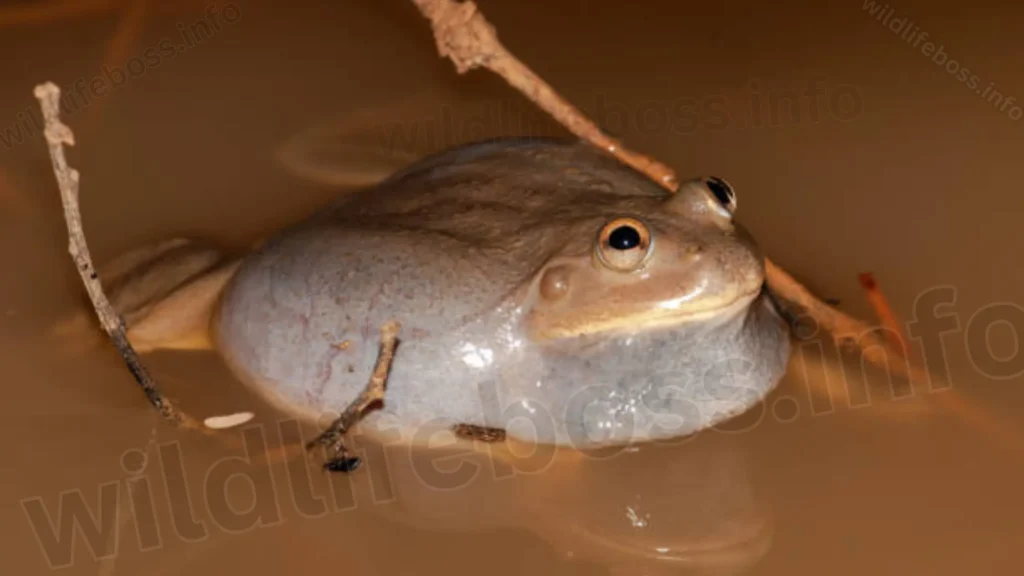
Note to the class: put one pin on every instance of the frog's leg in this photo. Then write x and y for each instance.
(166, 292)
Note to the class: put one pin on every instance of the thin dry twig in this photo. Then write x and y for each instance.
(463, 35)
(886, 317)
(372, 394)
(481, 433)
(57, 135)
(875, 345)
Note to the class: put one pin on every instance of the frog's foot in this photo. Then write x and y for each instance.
(165, 292)
(481, 433)
(372, 394)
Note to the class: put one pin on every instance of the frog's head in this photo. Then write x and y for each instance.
(639, 264)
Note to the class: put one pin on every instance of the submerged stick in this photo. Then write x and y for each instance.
(464, 36)
(57, 135)
(371, 394)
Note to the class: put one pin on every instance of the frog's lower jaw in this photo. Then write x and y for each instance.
(608, 392)
(650, 386)
(593, 392)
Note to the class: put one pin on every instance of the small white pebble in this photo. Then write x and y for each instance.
(228, 421)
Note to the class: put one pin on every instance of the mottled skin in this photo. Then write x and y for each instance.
(486, 256)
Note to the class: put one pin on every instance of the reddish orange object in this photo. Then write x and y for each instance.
(893, 327)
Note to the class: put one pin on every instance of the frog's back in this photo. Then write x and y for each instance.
(485, 193)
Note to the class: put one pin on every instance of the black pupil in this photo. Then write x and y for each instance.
(624, 238)
(720, 190)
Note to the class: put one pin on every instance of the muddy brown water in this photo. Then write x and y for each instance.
(853, 149)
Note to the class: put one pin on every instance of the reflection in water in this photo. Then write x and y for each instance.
(642, 509)
(362, 147)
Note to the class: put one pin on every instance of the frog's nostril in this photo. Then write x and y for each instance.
(723, 192)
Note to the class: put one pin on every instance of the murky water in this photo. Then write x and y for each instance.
(854, 147)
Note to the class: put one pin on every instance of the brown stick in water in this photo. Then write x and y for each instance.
(464, 36)
(57, 135)
(372, 394)
(893, 329)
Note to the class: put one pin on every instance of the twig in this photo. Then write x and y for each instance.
(886, 317)
(464, 36)
(481, 433)
(371, 394)
(847, 331)
(57, 135)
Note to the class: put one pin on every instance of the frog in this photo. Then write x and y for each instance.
(543, 289)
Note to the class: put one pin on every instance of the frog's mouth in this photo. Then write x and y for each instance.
(643, 318)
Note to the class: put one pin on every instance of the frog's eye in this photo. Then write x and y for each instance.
(624, 244)
(722, 191)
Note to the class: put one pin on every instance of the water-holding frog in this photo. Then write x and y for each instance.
(542, 287)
